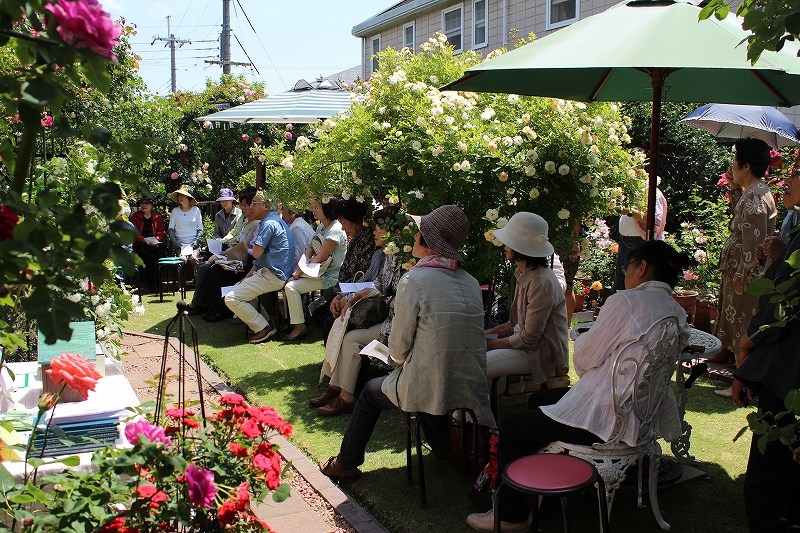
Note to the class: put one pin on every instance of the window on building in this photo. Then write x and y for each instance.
(376, 47)
(452, 24)
(562, 13)
(408, 36)
(479, 23)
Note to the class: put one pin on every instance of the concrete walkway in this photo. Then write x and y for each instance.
(294, 515)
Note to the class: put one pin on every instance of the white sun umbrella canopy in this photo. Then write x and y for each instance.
(305, 103)
(730, 121)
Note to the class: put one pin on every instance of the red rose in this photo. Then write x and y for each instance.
(146, 491)
(8, 221)
(231, 399)
(227, 513)
(243, 497)
(76, 371)
(238, 450)
(251, 429)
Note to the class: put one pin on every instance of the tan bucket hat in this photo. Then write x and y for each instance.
(186, 191)
(526, 233)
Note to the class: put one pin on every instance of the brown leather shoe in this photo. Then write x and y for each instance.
(332, 469)
(263, 335)
(336, 407)
(327, 395)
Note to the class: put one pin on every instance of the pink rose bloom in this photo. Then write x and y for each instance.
(258, 140)
(133, 430)
(723, 180)
(175, 175)
(245, 137)
(205, 166)
(775, 159)
(8, 221)
(201, 486)
(47, 121)
(77, 372)
(288, 135)
(289, 126)
(84, 24)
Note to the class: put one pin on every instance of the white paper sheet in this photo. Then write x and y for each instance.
(347, 288)
(214, 246)
(187, 250)
(378, 350)
(491, 336)
(311, 270)
(226, 290)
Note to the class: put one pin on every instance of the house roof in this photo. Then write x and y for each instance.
(397, 14)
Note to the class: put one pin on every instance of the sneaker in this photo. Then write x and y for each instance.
(263, 335)
(725, 393)
(332, 469)
(484, 523)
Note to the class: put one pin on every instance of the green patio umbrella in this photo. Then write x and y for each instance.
(636, 51)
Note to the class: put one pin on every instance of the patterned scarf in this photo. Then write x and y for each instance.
(437, 261)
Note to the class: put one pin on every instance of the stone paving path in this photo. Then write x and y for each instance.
(316, 504)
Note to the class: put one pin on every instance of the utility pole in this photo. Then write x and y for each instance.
(225, 42)
(172, 42)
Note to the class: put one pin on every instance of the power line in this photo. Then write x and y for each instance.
(262, 47)
(245, 53)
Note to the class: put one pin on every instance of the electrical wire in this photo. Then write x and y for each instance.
(262, 47)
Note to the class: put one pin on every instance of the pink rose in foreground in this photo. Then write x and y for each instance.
(175, 175)
(76, 371)
(133, 430)
(245, 137)
(201, 486)
(288, 135)
(84, 24)
(257, 140)
(8, 221)
(722, 181)
(775, 159)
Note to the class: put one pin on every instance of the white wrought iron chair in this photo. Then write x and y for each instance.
(642, 373)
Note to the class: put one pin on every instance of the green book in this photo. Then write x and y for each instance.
(82, 342)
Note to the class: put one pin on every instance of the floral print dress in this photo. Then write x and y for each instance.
(753, 221)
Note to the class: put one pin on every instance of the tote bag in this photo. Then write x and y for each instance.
(334, 343)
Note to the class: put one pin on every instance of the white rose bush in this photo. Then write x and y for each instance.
(491, 154)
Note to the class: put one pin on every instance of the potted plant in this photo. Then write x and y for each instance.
(580, 291)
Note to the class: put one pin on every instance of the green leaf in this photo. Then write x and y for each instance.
(785, 286)
(36, 492)
(793, 23)
(792, 400)
(97, 74)
(282, 493)
(722, 12)
(7, 481)
(72, 460)
(23, 498)
(760, 286)
(38, 92)
(794, 259)
(710, 8)
(740, 433)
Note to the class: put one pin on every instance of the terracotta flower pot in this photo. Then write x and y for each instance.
(579, 301)
(705, 319)
(687, 300)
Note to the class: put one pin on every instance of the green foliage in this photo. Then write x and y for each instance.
(771, 22)
(488, 153)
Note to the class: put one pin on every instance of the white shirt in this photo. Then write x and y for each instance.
(629, 227)
(302, 233)
(187, 225)
(626, 316)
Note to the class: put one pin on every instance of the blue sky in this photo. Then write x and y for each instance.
(301, 39)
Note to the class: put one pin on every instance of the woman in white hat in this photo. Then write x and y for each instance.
(186, 220)
(536, 339)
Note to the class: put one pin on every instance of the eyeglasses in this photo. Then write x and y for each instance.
(256, 203)
(625, 267)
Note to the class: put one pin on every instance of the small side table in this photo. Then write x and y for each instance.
(173, 268)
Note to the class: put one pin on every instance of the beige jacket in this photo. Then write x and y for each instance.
(438, 342)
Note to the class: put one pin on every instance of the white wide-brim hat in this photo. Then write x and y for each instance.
(526, 233)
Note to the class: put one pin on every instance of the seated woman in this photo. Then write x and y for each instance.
(536, 339)
(361, 250)
(584, 414)
(149, 244)
(334, 240)
(339, 396)
(185, 225)
(437, 342)
(211, 276)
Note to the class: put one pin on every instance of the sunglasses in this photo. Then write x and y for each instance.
(625, 267)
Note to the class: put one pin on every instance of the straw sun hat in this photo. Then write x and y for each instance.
(526, 233)
(186, 191)
(444, 230)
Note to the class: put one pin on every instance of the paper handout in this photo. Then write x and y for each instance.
(347, 288)
(309, 269)
(378, 350)
(215, 246)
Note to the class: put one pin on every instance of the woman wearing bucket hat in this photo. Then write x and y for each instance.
(536, 339)
(186, 220)
(437, 342)
(226, 217)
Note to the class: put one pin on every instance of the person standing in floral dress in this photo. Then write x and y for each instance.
(753, 221)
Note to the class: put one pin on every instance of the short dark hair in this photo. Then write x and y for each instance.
(146, 200)
(247, 194)
(755, 152)
(667, 262)
(352, 210)
(330, 208)
(385, 213)
(534, 262)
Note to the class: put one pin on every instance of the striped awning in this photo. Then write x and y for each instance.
(305, 104)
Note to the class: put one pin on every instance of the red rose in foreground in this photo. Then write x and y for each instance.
(76, 371)
(84, 24)
(8, 221)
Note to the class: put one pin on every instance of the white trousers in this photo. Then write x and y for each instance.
(238, 300)
(294, 289)
(345, 373)
(505, 362)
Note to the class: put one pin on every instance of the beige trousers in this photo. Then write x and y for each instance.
(238, 300)
(294, 289)
(345, 374)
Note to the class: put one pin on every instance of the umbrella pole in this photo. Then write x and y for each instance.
(657, 76)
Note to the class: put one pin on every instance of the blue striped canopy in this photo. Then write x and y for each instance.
(304, 104)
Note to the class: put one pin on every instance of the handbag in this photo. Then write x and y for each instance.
(316, 244)
(238, 252)
(369, 310)
(333, 344)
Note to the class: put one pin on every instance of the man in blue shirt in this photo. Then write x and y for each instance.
(273, 251)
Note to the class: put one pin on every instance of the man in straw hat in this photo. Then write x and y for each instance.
(273, 251)
(437, 342)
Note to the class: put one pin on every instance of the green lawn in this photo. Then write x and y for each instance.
(285, 376)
